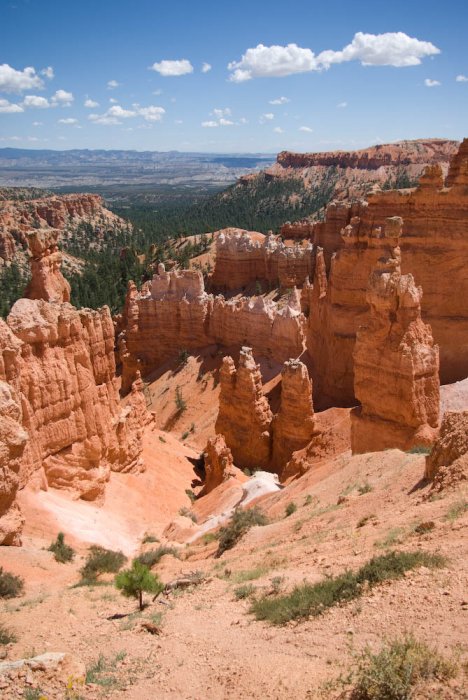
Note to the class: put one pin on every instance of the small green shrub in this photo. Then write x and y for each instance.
(33, 694)
(181, 405)
(250, 574)
(149, 539)
(100, 673)
(364, 488)
(419, 450)
(187, 513)
(6, 635)
(162, 439)
(183, 357)
(210, 537)
(62, 552)
(153, 556)
(308, 500)
(191, 495)
(240, 523)
(100, 561)
(245, 591)
(11, 586)
(290, 509)
(424, 527)
(394, 672)
(185, 435)
(135, 581)
(456, 510)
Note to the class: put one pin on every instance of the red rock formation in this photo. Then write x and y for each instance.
(293, 426)
(219, 465)
(47, 281)
(177, 313)
(244, 414)
(447, 464)
(64, 213)
(12, 442)
(435, 224)
(246, 257)
(396, 365)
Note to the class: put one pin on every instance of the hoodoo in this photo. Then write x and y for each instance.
(396, 364)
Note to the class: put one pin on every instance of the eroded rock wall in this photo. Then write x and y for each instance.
(245, 257)
(434, 247)
(175, 312)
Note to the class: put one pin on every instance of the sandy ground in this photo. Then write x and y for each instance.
(210, 646)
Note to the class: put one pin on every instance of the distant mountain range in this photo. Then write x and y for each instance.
(78, 168)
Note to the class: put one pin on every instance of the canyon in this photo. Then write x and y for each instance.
(315, 374)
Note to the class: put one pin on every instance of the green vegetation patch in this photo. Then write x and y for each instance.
(313, 599)
(100, 561)
(240, 523)
(62, 552)
(11, 586)
(395, 672)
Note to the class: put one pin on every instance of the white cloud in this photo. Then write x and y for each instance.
(7, 107)
(243, 120)
(113, 101)
(342, 105)
(307, 129)
(116, 112)
(268, 116)
(12, 80)
(178, 121)
(278, 130)
(206, 67)
(280, 101)
(14, 138)
(91, 103)
(172, 68)
(210, 124)
(70, 120)
(389, 49)
(226, 112)
(225, 122)
(272, 61)
(33, 138)
(48, 72)
(431, 83)
(62, 98)
(152, 114)
(157, 92)
(36, 101)
(461, 79)
(37, 123)
(112, 84)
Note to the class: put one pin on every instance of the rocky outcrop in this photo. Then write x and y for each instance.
(434, 230)
(77, 429)
(219, 465)
(447, 464)
(47, 281)
(62, 213)
(396, 364)
(244, 413)
(246, 257)
(293, 427)
(175, 312)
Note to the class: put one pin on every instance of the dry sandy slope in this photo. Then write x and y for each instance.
(210, 646)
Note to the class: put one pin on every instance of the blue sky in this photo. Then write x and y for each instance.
(231, 77)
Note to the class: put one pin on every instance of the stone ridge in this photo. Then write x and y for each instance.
(401, 153)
